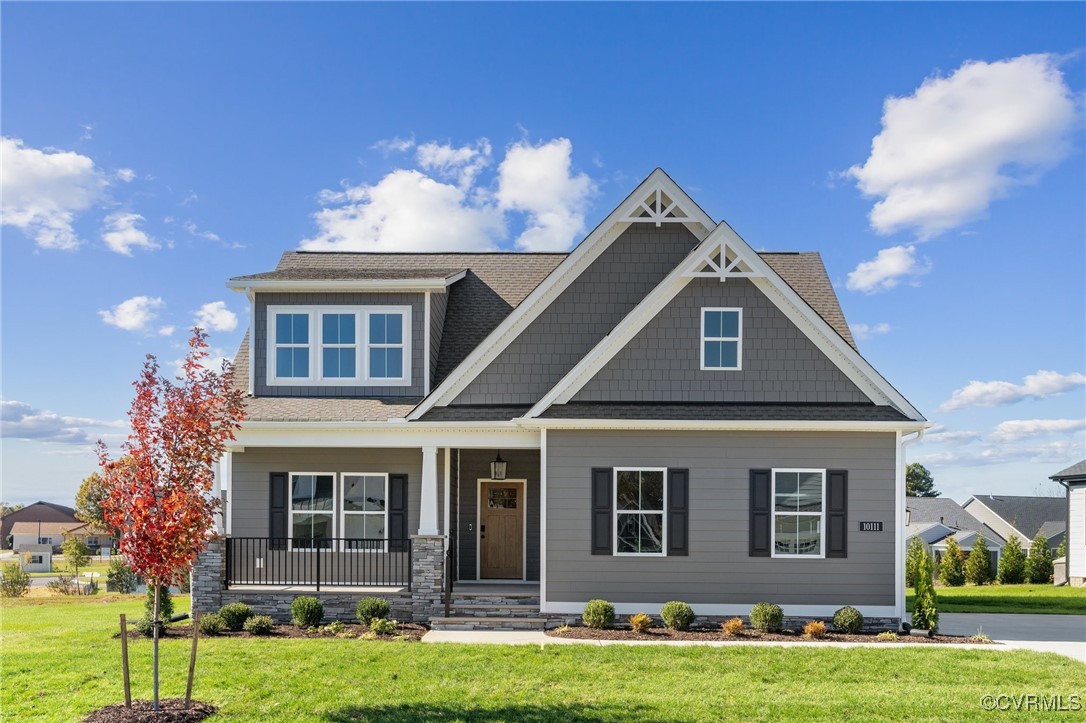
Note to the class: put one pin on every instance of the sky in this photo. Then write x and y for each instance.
(933, 154)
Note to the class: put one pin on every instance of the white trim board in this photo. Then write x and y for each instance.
(419, 285)
(559, 280)
(797, 611)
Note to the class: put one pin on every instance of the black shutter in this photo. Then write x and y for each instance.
(837, 513)
(678, 511)
(601, 511)
(397, 512)
(760, 513)
(278, 508)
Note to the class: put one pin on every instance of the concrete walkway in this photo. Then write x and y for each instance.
(1063, 634)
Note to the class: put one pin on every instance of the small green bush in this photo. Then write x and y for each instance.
(335, 627)
(1039, 561)
(165, 604)
(306, 611)
(887, 635)
(212, 624)
(234, 615)
(120, 578)
(383, 626)
(259, 625)
(1012, 563)
(14, 582)
(598, 614)
(146, 628)
(912, 559)
(766, 617)
(952, 566)
(978, 566)
(848, 620)
(677, 615)
(925, 608)
(370, 608)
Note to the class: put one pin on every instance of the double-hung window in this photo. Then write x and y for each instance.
(292, 346)
(721, 339)
(385, 345)
(338, 346)
(365, 514)
(799, 512)
(312, 510)
(640, 501)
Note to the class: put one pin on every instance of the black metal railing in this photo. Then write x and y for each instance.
(320, 562)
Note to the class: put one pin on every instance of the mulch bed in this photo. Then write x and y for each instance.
(171, 710)
(711, 634)
(405, 632)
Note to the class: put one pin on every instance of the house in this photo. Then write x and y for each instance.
(37, 512)
(35, 558)
(1074, 564)
(1021, 516)
(54, 533)
(937, 520)
(493, 439)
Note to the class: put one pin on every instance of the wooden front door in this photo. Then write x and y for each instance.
(501, 530)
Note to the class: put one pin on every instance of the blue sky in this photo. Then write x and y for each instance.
(151, 151)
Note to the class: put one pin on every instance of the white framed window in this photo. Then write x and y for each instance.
(799, 513)
(364, 511)
(339, 345)
(721, 339)
(640, 501)
(37, 559)
(312, 510)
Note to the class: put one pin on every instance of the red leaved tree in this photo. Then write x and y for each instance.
(160, 492)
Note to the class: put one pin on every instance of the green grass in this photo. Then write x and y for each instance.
(60, 662)
(1047, 599)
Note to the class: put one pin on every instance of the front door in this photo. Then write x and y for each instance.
(501, 530)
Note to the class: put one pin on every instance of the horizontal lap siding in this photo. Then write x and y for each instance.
(718, 568)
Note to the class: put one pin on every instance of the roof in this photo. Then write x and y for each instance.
(806, 274)
(53, 528)
(327, 409)
(943, 510)
(725, 412)
(1052, 528)
(1077, 470)
(310, 273)
(59, 508)
(1025, 514)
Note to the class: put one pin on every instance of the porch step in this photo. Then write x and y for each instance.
(487, 623)
(498, 610)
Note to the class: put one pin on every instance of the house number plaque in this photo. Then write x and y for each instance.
(870, 527)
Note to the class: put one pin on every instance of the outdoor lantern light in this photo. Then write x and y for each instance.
(497, 467)
(908, 516)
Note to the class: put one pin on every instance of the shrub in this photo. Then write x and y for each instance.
(1039, 563)
(146, 628)
(370, 608)
(848, 620)
(234, 615)
(213, 624)
(335, 628)
(1012, 563)
(598, 614)
(677, 615)
(952, 566)
(64, 585)
(383, 626)
(887, 635)
(640, 622)
(165, 604)
(13, 581)
(259, 625)
(306, 611)
(76, 554)
(815, 630)
(733, 627)
(912, 559)
(766, 617)
(978, 567)
(120, 578)
(561, 629)
(925, 610)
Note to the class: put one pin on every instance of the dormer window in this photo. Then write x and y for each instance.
(721, 339)
(339, 346)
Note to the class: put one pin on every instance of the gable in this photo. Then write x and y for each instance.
(662, 363)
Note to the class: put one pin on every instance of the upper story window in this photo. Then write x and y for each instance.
(798, 512)
(640, 523)
(339, 345)
(721, 339)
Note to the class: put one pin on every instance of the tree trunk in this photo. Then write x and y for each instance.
(154, 672)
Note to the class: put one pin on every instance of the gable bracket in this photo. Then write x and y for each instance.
(719, 260)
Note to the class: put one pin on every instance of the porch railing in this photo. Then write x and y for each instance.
(319, 563)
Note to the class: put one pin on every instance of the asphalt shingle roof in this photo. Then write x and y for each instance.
(1076, 470)
(806, 274)
(1026, 514)
(924, 511)
(725, 412)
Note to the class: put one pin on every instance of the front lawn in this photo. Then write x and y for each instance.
(1047, 599)
(60, 662)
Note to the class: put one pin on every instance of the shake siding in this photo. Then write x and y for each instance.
(249, 494)
(718, 568)
(582, 315)
(264, 300)
(662, 363)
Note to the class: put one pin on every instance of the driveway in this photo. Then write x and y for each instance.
(1063, 634)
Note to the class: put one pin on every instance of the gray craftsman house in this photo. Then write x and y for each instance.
(497, 438)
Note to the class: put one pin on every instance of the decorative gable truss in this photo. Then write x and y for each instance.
(719, 260)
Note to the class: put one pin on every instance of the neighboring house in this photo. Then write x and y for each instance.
(37, 512)
(1074, 480)
(35, 558)
(662, 413)
(937, 520)
(54, 534)
(1021, 516)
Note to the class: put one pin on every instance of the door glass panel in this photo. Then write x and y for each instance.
(501, 498)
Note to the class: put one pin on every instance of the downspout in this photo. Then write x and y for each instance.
(900, 497)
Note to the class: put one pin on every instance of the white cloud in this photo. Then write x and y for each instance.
(394, 145)
(959, 142)
(1014, 430)
(120, 233)
(88, 131)
(214, 316)
(866, 331)
(195, 231)
(167, 330)
(886, 270)
(1049, 453)
(126, 174)
(463, 163)
(991, 394)
(538, 180)
(133, 314)
(940, 434)
(43, 191)
(19, 420)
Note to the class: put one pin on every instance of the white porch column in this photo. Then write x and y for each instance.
(428, 496)
(225, 490)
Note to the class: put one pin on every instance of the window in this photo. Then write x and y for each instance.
(312, 510)
(37, 559)
(292, 346)
(721, 339)
(338, 351)
(365, 519)
(798, 511)
(385, 345)
(45, 540)
(640, 524)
